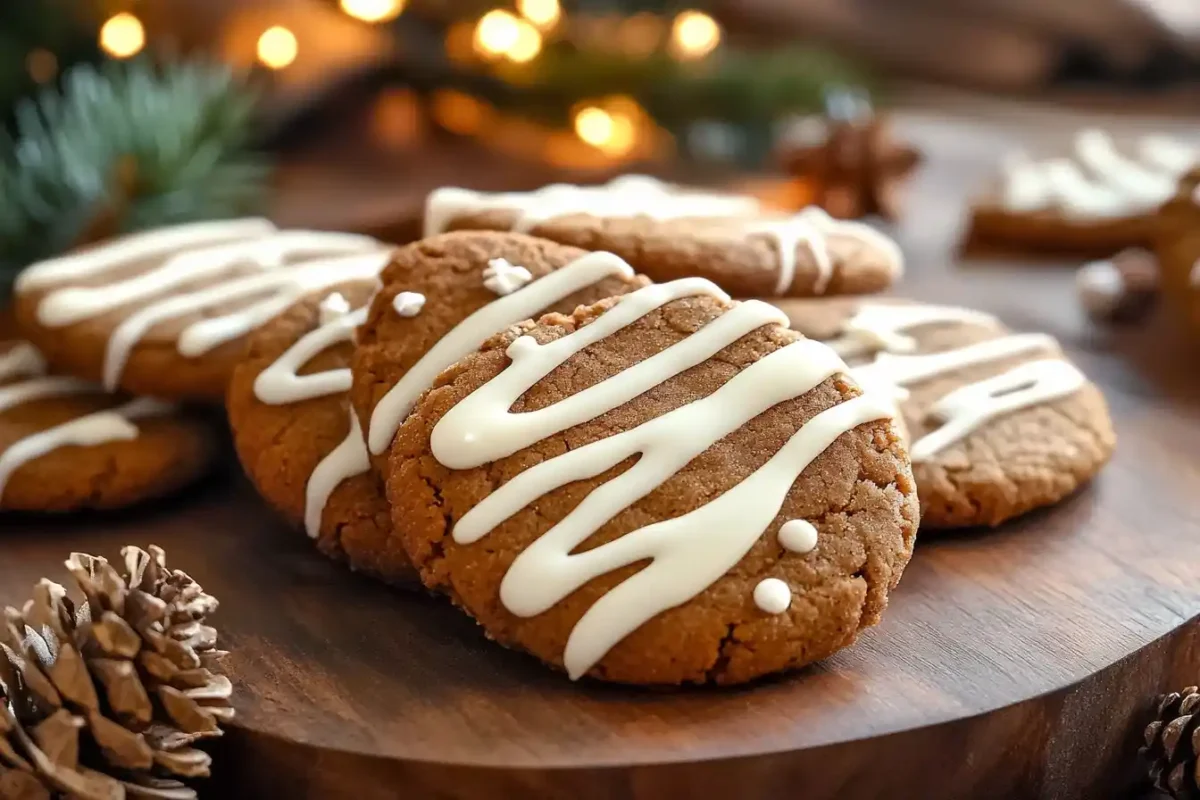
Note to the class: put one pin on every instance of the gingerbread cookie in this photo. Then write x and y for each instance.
(667, 233)
(998, 424)
(662, 488)
(166, 313)
(298, 440)
(1098, 201)
(444, 296)
(66, 445)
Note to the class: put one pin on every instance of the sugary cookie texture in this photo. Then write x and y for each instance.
(442, 297)
(668, 233)
(997, 423)
(1099, 200)
(66, 445)
(165, 313)
(298, 440)
(662, 488)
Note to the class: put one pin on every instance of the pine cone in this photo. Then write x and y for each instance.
(131, 668)
(1173, 743)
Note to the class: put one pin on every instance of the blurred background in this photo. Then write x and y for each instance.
(345, 112)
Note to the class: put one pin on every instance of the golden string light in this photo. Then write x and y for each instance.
(42, 65)
(611, 125)
(122, 36)
(277, 47)
(500, 34)
(694, 35)
(373, 10)
(543, 13)
(496, 33)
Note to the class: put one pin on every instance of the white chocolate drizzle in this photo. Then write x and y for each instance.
(772, 595)
(878, 327)
(281, 384)
(196, 269)
(469, 334)
(1101, 182)
(267, 295)
(687, 553)
(24, 361)
(636, 195)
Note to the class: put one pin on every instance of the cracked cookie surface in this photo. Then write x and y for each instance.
(781, 603)
(973, 467)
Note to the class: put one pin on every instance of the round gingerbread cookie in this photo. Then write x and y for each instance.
(165, 313)
(668, 233)
(662, 488)
(1101, 199)
(444, 296)
(66, 445)
(298, 440)
(998, 424)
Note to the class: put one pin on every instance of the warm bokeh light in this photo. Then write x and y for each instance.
(613, 131)
(527, 45)
(543, 13)
(497, 33)
(42, 65)
(122, 36)
(641, 34)
(460, 42)
(277, 47)
(458, 112)
(373, 10)
(396, 118)
(694, 34)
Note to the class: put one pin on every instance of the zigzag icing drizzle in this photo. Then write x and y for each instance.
(878, 328)
(280, 384)
(688, 553)
(23, 361)
(638, 195)
(1101, 181)
(248, 264)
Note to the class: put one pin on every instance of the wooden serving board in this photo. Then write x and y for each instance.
(1019, 662)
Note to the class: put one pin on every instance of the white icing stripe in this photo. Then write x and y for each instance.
(627, 196)
(634, 195)
(967, 408)
(279, 289)
(880, 326)
(688, 553)
(348, 459)
(1113, 184)
(475, 330)
(21, 360)
(486, 429)
(904, 370)
(38, 388)
(280, 383)
(94, 429)
(125, 250)
(268, 252)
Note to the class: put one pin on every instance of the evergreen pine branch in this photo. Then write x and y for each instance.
(148, 146)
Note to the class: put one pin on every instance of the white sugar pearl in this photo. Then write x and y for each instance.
(772, 596)
(798, 535)
(408, 304)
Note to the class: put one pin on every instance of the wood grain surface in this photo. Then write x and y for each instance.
(1019, 662)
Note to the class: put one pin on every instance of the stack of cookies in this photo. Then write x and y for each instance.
(551, 411)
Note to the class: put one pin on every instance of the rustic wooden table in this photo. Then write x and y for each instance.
(1019, 662)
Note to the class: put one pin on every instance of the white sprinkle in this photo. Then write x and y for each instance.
(798, 535)
(332, 308)
(408, 304)
(503, 278)
(772, 596)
